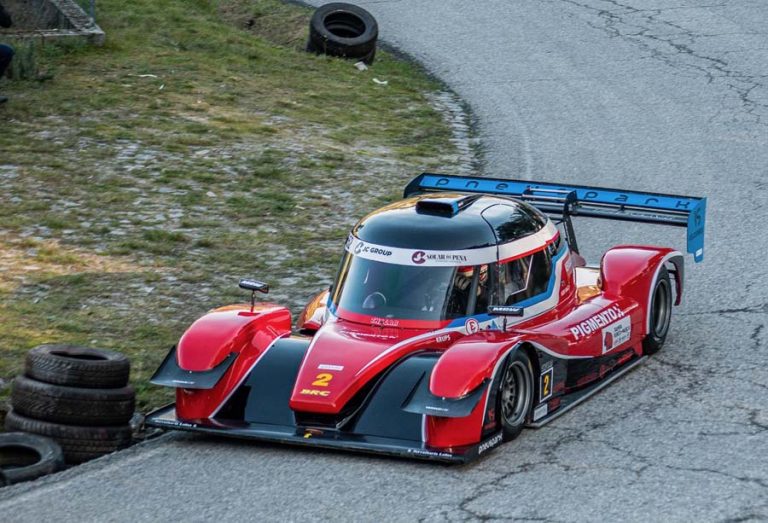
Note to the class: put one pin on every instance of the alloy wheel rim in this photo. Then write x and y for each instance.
(515, 394)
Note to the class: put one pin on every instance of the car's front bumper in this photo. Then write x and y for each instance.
(166, 418)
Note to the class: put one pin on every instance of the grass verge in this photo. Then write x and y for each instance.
(198, 146)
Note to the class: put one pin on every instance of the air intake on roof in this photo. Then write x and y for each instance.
(446, 206)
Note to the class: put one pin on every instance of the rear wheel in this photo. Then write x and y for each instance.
(659, 313)
(515, 394)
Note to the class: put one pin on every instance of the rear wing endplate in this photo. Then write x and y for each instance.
(581, 200)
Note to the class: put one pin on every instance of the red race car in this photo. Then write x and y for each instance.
(459, 316)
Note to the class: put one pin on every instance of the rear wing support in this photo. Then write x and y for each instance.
(566, 200)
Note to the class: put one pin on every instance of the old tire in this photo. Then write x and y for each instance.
(515, 394)
(659, 313)
(72, 405)
(79, 444)
(77, 366)
(343, 30)
(26, 456)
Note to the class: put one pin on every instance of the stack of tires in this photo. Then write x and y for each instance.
(77, 396)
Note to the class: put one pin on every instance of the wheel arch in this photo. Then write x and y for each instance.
(533, 357)
(217, 352)
(633, 270)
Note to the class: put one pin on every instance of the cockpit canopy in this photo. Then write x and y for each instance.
(436, 281)
(419, 223)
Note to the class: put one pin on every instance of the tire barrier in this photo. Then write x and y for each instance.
(77, 396)
(343, 30)
(27, 456)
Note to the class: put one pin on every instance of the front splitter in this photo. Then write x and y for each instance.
(165, 418)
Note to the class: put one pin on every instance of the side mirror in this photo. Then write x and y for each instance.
(254, 286)
(505, 310)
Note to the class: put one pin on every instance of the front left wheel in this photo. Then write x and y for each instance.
(515, 394)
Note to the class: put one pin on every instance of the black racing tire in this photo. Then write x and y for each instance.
(72, 405)
(79, 444)
(343, 30)
(26, 456)
(515, 394)
(77, 366)
(660, 313)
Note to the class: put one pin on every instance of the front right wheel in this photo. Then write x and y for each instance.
(515, 394)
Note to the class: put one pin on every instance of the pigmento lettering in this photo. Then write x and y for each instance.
(597, 322)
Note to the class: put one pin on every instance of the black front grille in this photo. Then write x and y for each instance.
(313, 419)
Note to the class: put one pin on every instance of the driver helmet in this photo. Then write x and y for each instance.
(465, 274)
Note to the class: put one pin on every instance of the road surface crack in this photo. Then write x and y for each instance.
(676, 46)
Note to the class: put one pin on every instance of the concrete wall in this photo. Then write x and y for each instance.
(51, 19)
(36, 14)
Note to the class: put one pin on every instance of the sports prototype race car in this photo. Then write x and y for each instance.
(459, 316)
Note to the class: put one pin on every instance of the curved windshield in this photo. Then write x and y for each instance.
(387, 290)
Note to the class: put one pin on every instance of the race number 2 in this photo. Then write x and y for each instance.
(322, 380)
(546, 383)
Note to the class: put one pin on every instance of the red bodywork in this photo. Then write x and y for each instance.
(348, 351)
(213, 337)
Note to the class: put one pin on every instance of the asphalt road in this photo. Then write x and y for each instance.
(664, 95)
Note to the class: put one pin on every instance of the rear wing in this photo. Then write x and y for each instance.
(567, 200)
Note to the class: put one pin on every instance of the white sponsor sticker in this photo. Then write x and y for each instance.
(617, 334)
(418, 257)
(472, 326)
(540, 411)
(325, 366)
(431, 453)
(175, 423)
(489, 444)
(425, 258)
